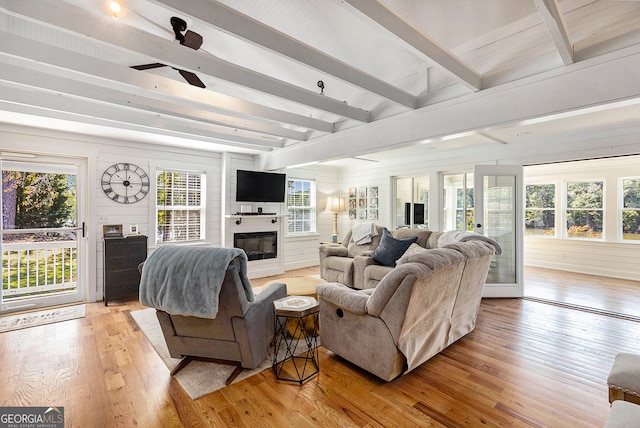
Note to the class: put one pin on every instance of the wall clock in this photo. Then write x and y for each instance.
(125, 183)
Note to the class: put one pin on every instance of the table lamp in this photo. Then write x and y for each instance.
(336, 205)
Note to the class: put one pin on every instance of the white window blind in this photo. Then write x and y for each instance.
(180, 206)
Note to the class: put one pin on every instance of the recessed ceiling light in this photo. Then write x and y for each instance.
(114, 6)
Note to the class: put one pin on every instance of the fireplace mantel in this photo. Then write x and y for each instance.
(238, 223)
(241, 217)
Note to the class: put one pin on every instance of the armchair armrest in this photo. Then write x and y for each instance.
(254, 330)
(346, 298)
(328, 250)
(359, 265)
(334, 250)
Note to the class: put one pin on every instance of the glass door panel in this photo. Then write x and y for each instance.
(420, 211)
(412, 202)
(403, 199)
(498, 215)
(457, 201)
(41, 234)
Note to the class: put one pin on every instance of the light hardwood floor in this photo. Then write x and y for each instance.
(597, 292)
(527, 364)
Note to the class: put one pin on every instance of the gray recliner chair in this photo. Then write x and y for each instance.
(240, 334)
(336, 260)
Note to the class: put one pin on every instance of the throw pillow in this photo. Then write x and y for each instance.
(413, 248)
(390, 249)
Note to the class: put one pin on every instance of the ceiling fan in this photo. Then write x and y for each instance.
(189, 39)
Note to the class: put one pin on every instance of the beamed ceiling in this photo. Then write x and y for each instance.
(68, 65)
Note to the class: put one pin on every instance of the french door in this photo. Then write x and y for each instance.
(498, 214)
(43, 231)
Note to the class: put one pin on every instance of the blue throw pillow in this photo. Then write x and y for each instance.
(391, 249)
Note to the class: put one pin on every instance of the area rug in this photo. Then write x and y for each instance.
(198, 378)
(47, 316)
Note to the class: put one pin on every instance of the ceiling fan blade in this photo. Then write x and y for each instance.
(191, 78)
(192, 40)
(148, 66)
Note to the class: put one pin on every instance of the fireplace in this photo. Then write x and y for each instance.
(257, 245)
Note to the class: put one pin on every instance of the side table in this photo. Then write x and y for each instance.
(295, 357)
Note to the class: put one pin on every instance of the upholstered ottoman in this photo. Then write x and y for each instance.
(623, 415)
(624, 378)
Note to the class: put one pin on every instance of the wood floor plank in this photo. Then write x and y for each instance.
(527, 363)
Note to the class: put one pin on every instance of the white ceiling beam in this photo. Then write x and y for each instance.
(418, 41)
(64, 121)
(118, 115)
(555, 24)
(601, 83)
(115, 33)
(168, 89)
(255, 32)
(45, 81)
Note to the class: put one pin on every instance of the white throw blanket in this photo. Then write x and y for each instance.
(362, 233)
(183, 280)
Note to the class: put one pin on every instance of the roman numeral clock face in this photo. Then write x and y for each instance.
(125, 183)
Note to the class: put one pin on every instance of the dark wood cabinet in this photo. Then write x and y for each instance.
(121, 259)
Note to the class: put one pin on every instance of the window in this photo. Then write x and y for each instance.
(301, 206)
(180, 206)
(412, 202)
(584, 209)
(540, 212)
(457, 202)
(630, 211)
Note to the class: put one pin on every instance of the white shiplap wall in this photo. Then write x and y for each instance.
(299, 251)
(302, 251)
(143, 212)
(101, 153)
(609, 256)
(606, 258)
(603, 258)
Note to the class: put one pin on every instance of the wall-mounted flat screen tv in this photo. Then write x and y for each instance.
(256, 186)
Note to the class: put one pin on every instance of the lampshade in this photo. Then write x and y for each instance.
(335, 204)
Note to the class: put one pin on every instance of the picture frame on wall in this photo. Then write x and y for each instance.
(363, 203)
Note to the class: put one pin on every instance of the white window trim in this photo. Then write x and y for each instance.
(313, 208)
(620, 208)
(565, 209)
(556, 214)
(153, 207)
